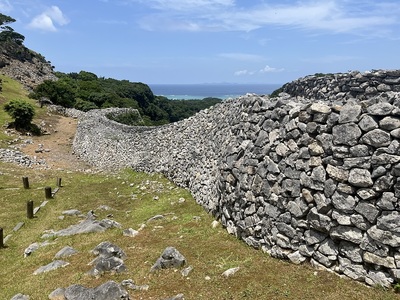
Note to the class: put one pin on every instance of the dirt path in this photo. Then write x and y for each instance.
(56, 146)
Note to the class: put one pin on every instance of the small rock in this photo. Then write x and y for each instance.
(177, 297)
(20, 297)
(230, 272)
(31, 248)
(185, 272)
(71, 212)
(214, 224)
(131, 285)
(130, 232)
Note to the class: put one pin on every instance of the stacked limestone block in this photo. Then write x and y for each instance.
(320, 183)
(346, 85)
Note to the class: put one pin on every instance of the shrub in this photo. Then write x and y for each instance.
(22, 112)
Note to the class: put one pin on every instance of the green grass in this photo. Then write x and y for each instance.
(185, 225)
(11, 90)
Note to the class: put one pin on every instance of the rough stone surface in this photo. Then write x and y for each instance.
(51, 266)
(65, 252)
(110, 258)
(107, 291)
(170, 258)
(89, 225)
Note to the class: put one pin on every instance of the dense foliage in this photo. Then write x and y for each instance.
(7, 34)
(85, 91)
(22, 112)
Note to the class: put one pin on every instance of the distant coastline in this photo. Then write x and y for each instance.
(200, 91)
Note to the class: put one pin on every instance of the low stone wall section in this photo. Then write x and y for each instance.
(346, 85)
(301, 179)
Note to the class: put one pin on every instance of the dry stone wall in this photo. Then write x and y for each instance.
(346, 85)
(303, 179)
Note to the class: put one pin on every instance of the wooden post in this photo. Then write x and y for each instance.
(25, 181)
(29, 209)
(47, 192)
(59, 182)
(1, 238)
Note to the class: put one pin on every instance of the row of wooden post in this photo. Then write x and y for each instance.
(29, 205)
(25, 182)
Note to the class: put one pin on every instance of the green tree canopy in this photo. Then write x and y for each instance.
(7, 33)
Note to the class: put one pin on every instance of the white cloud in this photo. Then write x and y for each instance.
(5, 6)
(243, 72)
(242, 56)
(336, 16)
(48, 20)
(188, 5)
(268, 69)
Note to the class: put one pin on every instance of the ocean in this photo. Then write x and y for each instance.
(200, 91)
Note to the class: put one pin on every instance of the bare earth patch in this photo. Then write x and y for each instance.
(55, 147)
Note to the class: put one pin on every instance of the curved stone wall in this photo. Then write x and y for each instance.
(301, 179)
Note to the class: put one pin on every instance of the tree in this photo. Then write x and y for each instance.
(22, 112)
(7, 33)
(59, 92)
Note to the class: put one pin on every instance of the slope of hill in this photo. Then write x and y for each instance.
(24, 65)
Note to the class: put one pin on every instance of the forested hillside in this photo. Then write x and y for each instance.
(85, 90)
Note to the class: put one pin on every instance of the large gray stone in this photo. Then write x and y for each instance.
(376, 138)
(380, 109)
(109, 259)
(89, 225)
(360, 178)
(346, 233)
(296, 257)
(389, 221)
(328, 248)
(389, 123)
(51, 266)
(368, 210)
(107, 291)
(337, 173)
(385, 237)
(352, 270)
(319, 221)
(387, 262)
(350, 112)
(170, 258)
(346, 134)
(378, 278)
(343, 202)
(351, 251)
(368, 123)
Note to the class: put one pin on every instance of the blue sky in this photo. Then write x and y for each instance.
(210, 41)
